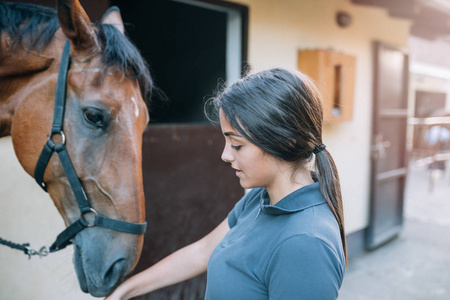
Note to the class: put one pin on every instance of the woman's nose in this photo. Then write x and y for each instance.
(226, 155)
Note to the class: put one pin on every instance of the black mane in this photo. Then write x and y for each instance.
(33, 27)
(22, 21)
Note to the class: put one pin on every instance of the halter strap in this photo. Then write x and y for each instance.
(65, 237)
(60, 92)
(58, 116)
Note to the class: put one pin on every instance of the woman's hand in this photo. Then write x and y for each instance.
(181, 265)
(116, 295)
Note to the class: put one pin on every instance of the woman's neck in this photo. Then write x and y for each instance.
(287, 183)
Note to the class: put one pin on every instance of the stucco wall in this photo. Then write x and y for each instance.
(27, 215)
(277, 29)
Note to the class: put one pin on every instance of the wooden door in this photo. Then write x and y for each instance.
(388, 153)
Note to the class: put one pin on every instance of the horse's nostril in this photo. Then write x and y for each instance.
(115, 271)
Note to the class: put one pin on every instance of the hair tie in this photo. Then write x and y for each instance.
(319, 148)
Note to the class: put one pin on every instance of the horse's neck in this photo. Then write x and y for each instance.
(17, 69)
(20, 63)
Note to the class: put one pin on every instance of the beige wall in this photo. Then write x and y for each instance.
(279, 28)
(27, 215)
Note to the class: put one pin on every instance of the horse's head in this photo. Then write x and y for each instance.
(105, 117)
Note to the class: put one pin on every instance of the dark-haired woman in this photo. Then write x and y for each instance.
(285, 238)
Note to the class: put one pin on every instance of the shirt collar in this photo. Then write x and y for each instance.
(298, 200)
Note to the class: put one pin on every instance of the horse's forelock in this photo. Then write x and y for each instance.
(121, 55)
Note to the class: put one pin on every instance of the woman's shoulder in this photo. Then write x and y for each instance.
(316, 223)
(312, 234)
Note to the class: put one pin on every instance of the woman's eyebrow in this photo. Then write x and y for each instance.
(233, 134)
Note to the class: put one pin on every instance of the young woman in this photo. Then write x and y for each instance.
(285, 238)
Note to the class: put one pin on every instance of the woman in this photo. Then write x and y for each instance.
(285, 238)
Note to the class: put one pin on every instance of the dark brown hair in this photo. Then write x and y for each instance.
(280, 111)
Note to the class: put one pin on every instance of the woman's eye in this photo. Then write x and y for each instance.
(94, 117)
(235, 147)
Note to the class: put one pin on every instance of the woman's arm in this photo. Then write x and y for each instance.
(179, 266)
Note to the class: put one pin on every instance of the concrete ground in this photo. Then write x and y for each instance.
(416, 265)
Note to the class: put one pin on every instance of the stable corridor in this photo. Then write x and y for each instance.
(415, 265)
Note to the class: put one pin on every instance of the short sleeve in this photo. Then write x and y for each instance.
(304, 267)
(234, 214)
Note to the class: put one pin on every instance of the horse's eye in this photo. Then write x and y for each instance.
(94, 117)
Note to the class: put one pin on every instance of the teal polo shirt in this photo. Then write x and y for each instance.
(290, 250)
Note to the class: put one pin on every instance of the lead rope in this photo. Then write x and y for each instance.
(44, 251)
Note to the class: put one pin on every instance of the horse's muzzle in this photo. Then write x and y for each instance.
(100, 266)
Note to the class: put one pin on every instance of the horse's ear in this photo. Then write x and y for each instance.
(112, 16)
(76, 25)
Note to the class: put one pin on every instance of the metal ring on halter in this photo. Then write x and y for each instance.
(61, 133)
(95, 213)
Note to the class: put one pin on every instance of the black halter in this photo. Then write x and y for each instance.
(65, 237)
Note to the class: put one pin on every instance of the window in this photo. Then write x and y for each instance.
(190, 47)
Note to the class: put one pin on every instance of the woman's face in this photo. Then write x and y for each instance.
(253, 166)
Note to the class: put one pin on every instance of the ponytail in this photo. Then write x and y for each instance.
(331, 190)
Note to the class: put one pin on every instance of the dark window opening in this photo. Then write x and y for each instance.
(185, 47)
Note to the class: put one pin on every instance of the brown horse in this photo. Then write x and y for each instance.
(105, 117)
